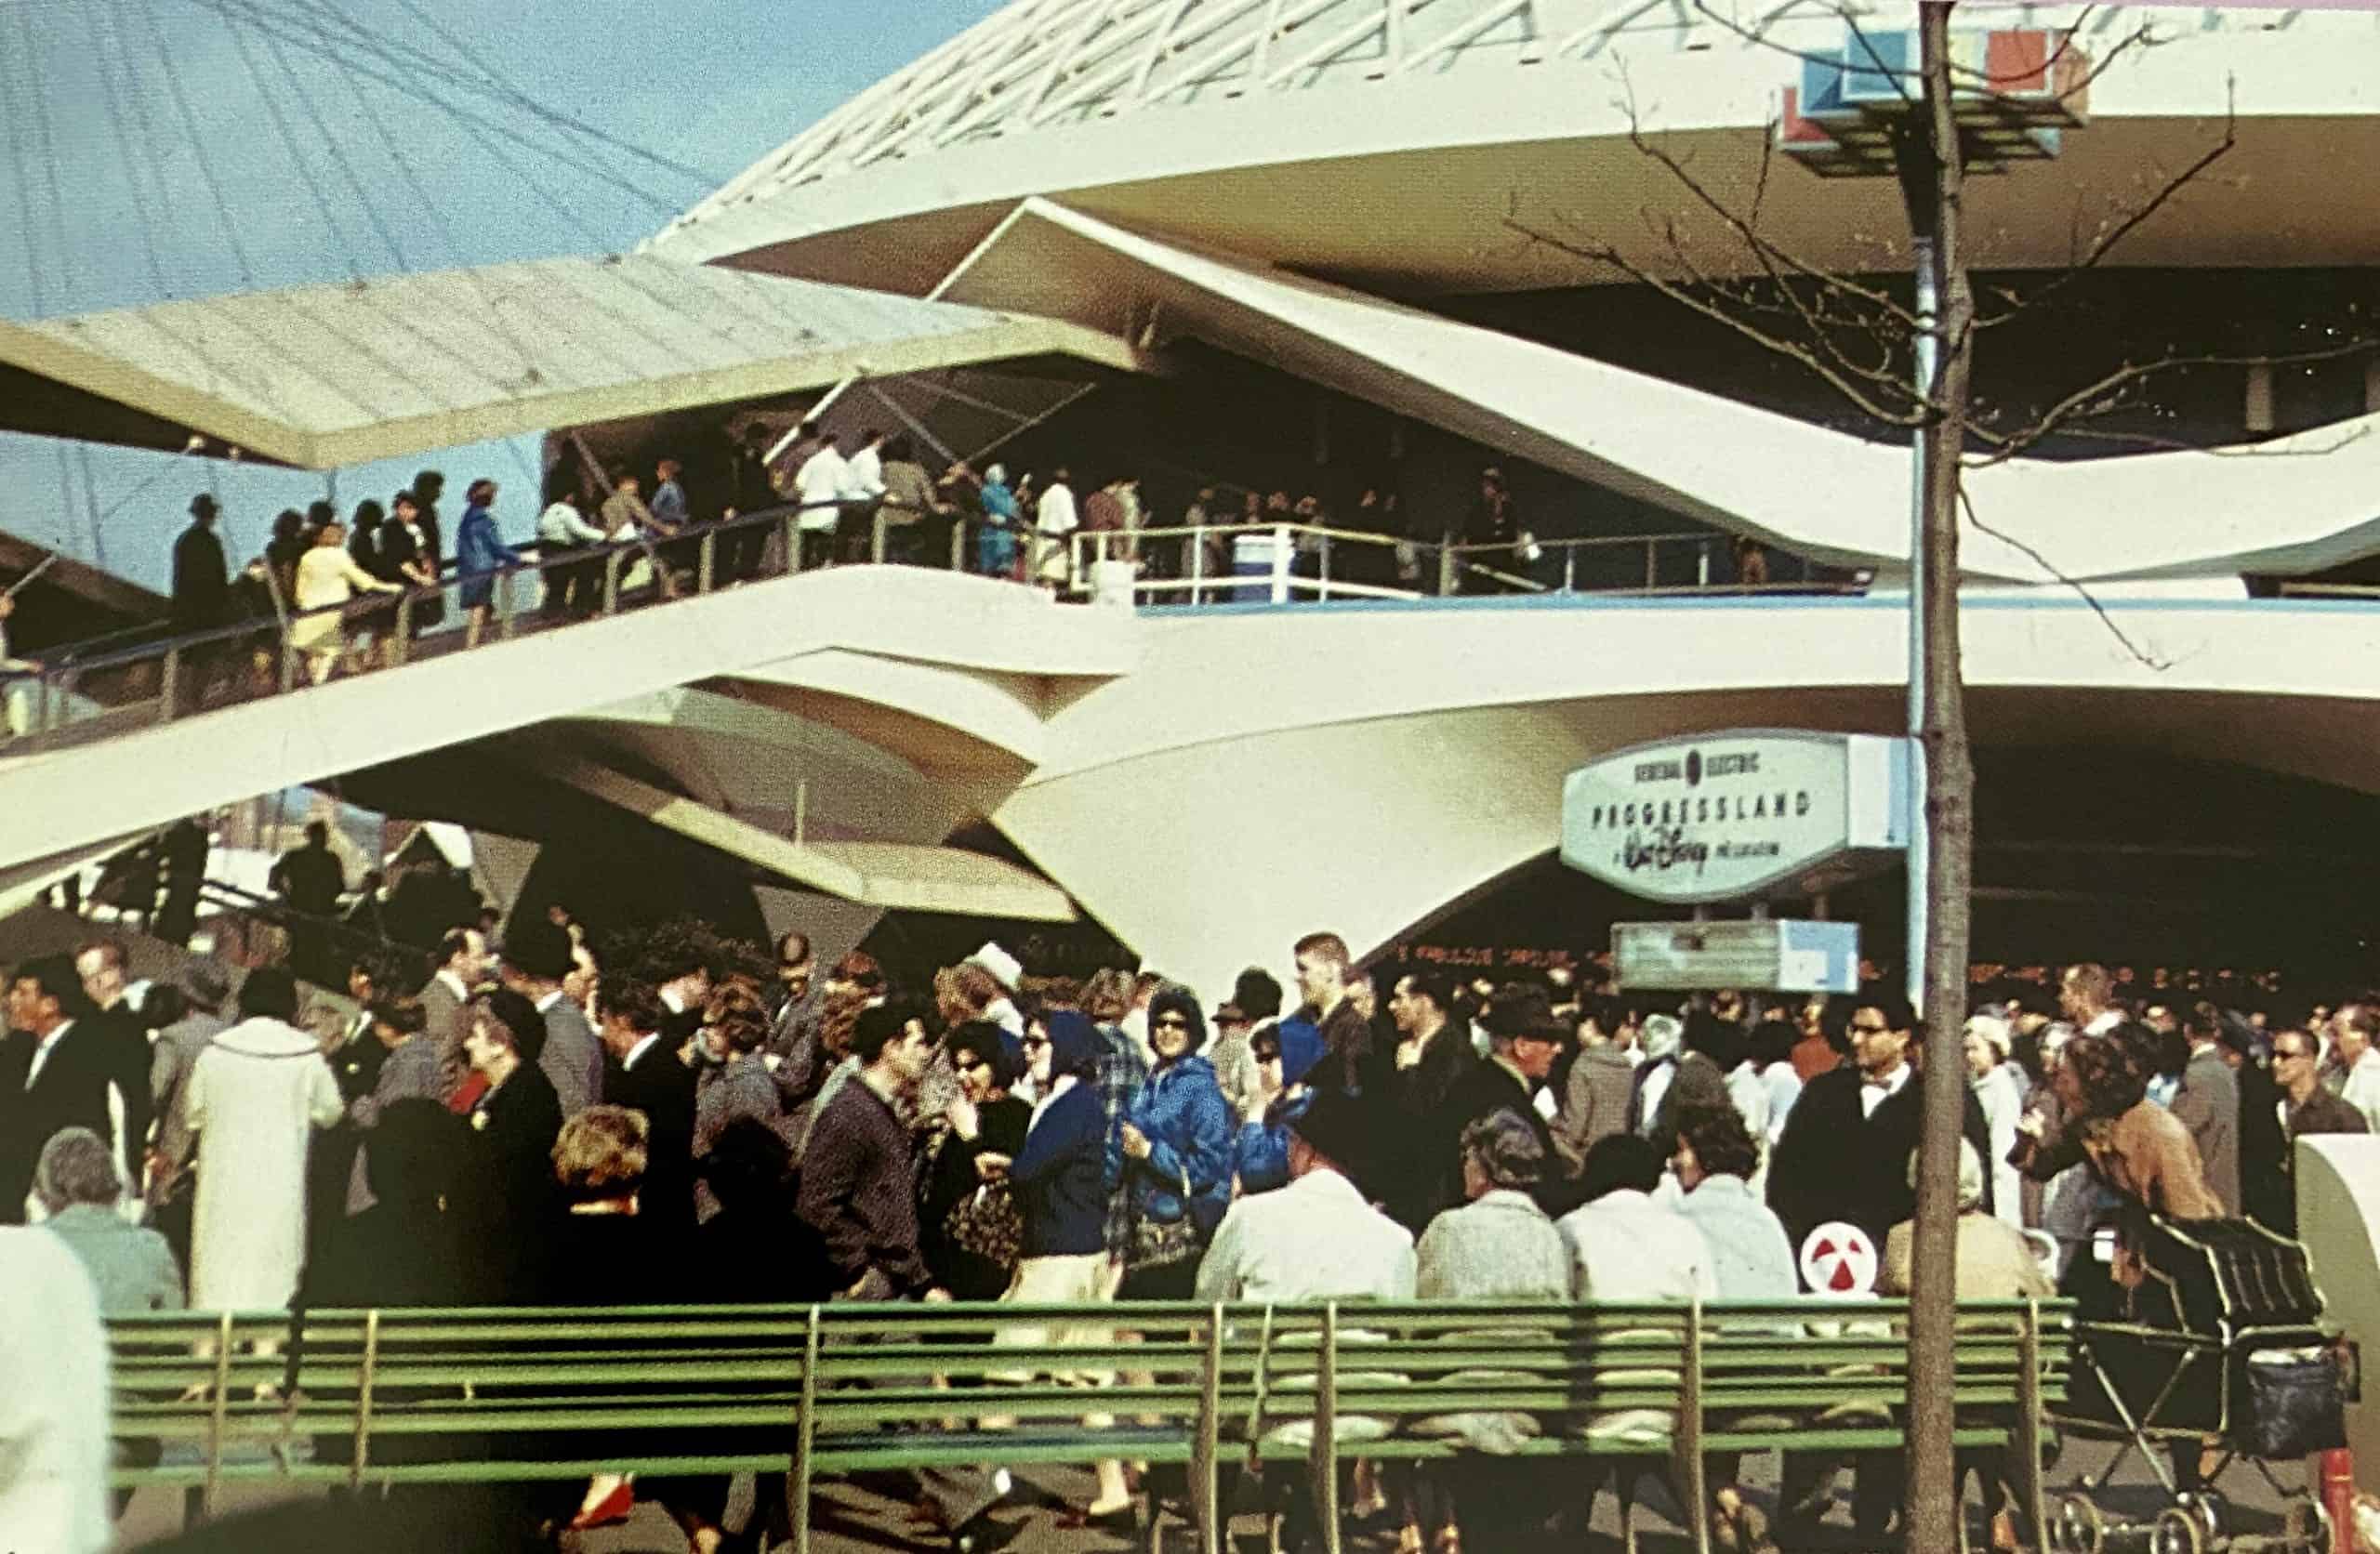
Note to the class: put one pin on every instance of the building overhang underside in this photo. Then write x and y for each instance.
(329, 375)
(325, 377)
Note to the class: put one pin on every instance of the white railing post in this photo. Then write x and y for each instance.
(1323, 549)
(1571, 569)
(1280, 563)
(1198, 564)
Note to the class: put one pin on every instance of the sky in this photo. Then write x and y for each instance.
(166, 148)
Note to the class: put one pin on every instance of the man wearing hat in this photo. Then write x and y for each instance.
(202, 581)
(1320, 1238)
(1523, 1038)
(537, 958)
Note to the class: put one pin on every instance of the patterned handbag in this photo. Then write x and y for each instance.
(987, 1223)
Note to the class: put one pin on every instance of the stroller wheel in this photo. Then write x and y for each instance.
(2078, 1528)
(2179, 1531)
(2306, 1527)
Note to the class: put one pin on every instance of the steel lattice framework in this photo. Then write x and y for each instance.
(1043, 63)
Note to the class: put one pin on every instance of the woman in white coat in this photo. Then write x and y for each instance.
(254, 1100)
(327, 575)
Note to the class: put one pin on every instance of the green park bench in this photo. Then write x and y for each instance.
(486, 1396)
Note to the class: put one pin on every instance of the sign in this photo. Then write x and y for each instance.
(1737, 815)
(1838, 1259)
(1765, 955)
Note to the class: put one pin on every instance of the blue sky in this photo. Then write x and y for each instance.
(98, 100)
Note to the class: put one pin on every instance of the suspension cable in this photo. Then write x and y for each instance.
(100, 52)
(198, 146)
(305, 171)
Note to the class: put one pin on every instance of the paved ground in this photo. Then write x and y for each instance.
(874, 1516)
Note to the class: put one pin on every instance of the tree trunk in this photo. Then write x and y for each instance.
(1932, 1500)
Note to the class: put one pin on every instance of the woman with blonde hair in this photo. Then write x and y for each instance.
(326, 577)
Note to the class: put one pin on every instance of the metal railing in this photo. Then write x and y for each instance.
(96, 690)
(145, 677)
(1278, 562)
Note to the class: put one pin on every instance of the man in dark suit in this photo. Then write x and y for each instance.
(1844, 1152)
(1524, 1038)
(54, 1072)
(107, 1020)
(1434, 1059)
(645, 1071)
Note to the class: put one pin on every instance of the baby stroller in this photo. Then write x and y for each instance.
(2222, 1345)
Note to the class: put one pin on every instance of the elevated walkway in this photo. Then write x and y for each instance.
(125, 744)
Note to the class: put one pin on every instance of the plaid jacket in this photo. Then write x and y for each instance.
(1122, 1070)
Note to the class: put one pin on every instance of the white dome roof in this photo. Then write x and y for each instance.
(1280, 126)
(1038, 64)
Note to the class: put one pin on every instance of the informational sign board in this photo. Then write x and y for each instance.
(1737, 815)
(1761, 956)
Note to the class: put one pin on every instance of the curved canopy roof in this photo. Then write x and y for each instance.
(321, 376)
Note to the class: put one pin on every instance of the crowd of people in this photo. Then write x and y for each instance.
(669, 1117)
(320, 571)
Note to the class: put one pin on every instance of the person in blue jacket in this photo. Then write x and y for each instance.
(1285, 1054)
(996, 541)
(479, 552)
(1172, 1153)
(1059, 1180)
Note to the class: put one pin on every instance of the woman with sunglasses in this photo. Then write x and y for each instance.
(1173, 1153)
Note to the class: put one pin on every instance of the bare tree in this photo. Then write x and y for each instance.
(1866, 344)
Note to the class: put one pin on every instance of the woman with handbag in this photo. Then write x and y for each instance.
(1172, 1150)
(1059, 1182)
(971, 1231)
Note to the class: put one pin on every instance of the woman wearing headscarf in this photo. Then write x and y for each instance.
(1172, 1152)
(1059, 1182)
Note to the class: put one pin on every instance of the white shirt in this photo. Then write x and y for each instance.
(1657, 1085)
(863, 475)
(1876, 1092)
(1626, 1248)
(1315, 1239)
(2362, 1088)
(41, 1053)
(453, 984)
(2103, 1023)
(638, 1050)
(818, 484)
(562, 523)
(1055, 514)
(549, 1000)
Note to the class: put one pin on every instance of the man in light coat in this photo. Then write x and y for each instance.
(54, 1409)
(254, 1101)
(1318, 1238)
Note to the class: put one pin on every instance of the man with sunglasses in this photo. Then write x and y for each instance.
(2306, 1106)
(1844, 1151)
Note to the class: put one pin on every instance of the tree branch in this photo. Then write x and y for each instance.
(1684, 297)
(2008, 445)
(2147, 660)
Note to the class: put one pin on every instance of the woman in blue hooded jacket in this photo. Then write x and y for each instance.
(1059, 1180)
(1173, 1153)
(1285, 1054)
